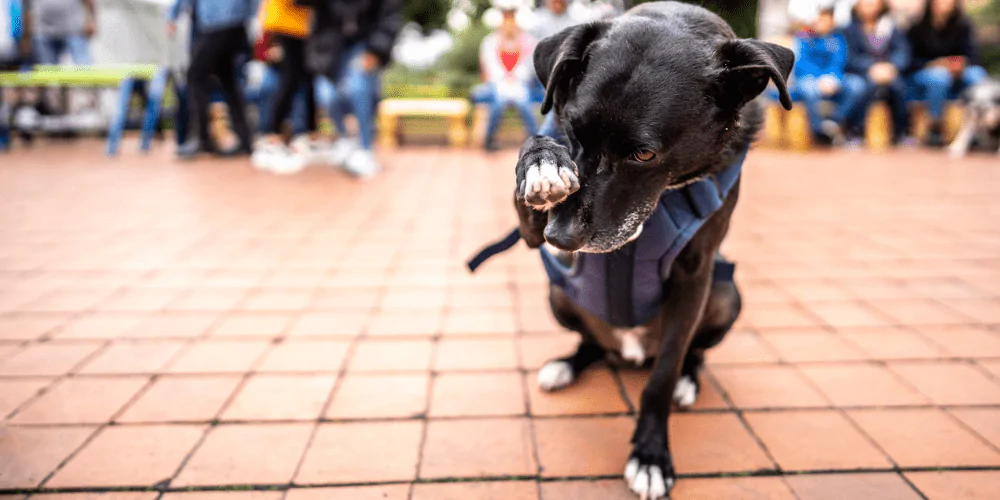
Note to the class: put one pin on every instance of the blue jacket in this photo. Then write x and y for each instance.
(819, 56)
(861, 57)
(211, 15)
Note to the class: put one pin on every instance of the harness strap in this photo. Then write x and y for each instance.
(498, 247)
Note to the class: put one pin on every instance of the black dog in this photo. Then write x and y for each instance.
(653, 104)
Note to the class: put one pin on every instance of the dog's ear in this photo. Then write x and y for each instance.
(561, 57)
(747, 65)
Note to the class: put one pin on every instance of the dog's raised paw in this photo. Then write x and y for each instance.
(546, 175)
(555, 375)
(647, 481)
(686, 392)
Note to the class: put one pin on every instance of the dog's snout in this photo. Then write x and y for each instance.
(564, 238)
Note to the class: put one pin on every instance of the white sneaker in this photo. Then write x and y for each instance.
(287, 162)
(341, 150)
(313, 151)
(263, 151)
(362, 163)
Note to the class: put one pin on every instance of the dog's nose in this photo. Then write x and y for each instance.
(563, 237)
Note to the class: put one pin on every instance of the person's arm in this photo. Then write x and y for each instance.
(383, 35)
(489, 59)
(91, 25)
(804, 66)
(26, 31)
(918, 53)
(838, 62)
(899, 51)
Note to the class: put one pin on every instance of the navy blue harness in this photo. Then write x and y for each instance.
(625, 287)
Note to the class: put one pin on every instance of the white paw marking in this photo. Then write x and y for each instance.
(686, 392)
(555, 375)
(632, 349)
(636, 235)
(546, 184)
(647, 480)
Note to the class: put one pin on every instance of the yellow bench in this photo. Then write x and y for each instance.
(456, 111)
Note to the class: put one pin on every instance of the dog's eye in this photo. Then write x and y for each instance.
(643, 156)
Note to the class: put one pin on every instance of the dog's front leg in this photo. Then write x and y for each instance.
(650, 469)
(546, 176)
(960, 146)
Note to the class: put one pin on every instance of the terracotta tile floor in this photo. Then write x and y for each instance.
(198, 331)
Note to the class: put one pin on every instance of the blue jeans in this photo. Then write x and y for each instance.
(354, 91)
(893, 93)
(936, 85)
(49, 49)
(807, 91)
(488, 94)
(264, 95)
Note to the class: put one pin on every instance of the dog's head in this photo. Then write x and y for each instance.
(646, 106)
(983, 103)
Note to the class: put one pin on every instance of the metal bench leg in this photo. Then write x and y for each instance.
(117, 127)
(155, 96)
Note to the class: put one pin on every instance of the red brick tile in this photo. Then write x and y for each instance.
(708, 394)
(377, 355)
(767, 387)
(293, 279)
(477, 394)
(992, 367)
(985, 421)
(851, 487)
(220, 356)
(951, 485)
(223, 495)
(810, 346)
(128, 356)
(147, 495)
(746, 488)
(182, 398)
(232, 279)
(814, 440)
(305, 355)
(39, 451)
(174, 325)
(50, 358)
(476, 354)
(281, 397)
(949, 383)
(99, 326)
(497, 297)
(924, 438)
(479, 321)
(380, 492)
(128, 456)
(712, 443)
(983, 311)
(847, 314)
(594, 392)
(812, 291)
(246, 454)
(289, 299)
(81, 401)
(537, 319)
(208, 299)
(15, 392)
(965, 342)
(615, 489)
(778, 315)
(362, 452)
(455, 448)
(417, 323)
(538, 349)
(888, 344)
(356, 298)
(741, 347)
(379, 396)
(252, 325)
(919, 312)
(395, 299)
(139, 300)
(562, 441)
(67, 301)
(505, 490)
(859, 384)
(329, 324)
(29, 326)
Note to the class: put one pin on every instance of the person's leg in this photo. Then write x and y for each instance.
(973, 75)
(852, 88)
(47, 49)
(79, 49)
(265, 96)
(807, 89)
(360, 87)
(933, 84)
(896, 97)
(290, 69)
(236, 41)
(855, 114)
(182, 118)
(527, 112)
(203, 61)
(497, 108)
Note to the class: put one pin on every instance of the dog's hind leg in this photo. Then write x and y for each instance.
(561, 372)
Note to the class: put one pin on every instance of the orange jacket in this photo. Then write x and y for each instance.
(283, 17)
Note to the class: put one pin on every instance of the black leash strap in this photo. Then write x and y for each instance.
(501, 246)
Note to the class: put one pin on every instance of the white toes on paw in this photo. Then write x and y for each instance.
(547, 183)
(555, 375)
(686, 392)
(646, 480)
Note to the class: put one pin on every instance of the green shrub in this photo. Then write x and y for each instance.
(987, 19)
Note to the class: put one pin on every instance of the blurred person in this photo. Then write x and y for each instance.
(877, 54)
(219, 42)
(553, 17)
(944, 59)
(505, 57)
(821, 57)
(61, 27)
(351, 44)
(286, 25)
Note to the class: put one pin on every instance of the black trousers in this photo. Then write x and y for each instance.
(294, 75)
(215, 54)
